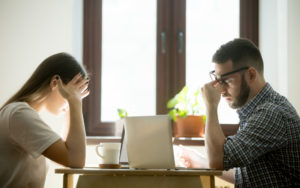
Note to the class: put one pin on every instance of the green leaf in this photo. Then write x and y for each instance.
(197, 93)
(172, 102)
(172, 114)
(204, 118)
(183, 113)
(122, 113)
(178, 98)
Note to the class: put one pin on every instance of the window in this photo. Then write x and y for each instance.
(128, 58)
(140, 54)
(208, 25)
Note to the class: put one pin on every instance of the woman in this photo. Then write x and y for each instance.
(58, 85)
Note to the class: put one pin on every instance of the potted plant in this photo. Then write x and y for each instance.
(188, 113)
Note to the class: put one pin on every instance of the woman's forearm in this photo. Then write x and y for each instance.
(76, 137)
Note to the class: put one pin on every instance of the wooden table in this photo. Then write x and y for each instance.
(96, 177)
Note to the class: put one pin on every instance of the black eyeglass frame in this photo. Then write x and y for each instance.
(218, 78)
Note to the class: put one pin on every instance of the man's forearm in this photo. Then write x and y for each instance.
(214, 139)
(228, 176)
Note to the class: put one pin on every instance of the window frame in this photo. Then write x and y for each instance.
(170, 64)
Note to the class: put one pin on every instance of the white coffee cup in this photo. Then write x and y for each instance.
(108, 152)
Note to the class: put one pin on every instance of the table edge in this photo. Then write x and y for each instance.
(137, 172)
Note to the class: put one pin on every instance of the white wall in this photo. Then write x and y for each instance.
(294, 52)
(32, 30)
(279, 40)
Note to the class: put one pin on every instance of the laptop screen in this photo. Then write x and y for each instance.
(149, 142)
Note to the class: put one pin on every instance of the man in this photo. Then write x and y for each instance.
(265, 152)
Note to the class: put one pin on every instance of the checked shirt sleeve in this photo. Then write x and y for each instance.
(263, 132)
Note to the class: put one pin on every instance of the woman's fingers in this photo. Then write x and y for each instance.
(76, 78)
(63, 89)
(77, 87)
(80, 82)
(83, 84)
(59, 83)
(58, 80)
(85, 93)
(84, 87)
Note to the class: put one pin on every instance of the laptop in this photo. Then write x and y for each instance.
(147, 142)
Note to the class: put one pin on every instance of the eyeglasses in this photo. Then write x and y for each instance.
(219, 78)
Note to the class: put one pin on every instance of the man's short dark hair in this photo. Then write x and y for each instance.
(242, 52)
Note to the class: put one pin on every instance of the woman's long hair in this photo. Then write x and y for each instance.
(38, 85)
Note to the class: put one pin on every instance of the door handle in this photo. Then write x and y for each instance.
(180, 42)
(163, 42)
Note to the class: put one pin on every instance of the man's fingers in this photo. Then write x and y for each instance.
(215, 84)
(187, 164)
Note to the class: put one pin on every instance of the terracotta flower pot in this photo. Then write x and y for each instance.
(190, 126)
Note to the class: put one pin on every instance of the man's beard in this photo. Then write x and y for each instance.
(243, 96)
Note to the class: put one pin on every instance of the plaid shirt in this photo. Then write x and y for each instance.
(266, 149)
